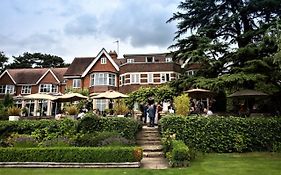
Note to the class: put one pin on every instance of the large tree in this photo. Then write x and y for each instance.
(235, 41)
(28, 60)
(3, 61)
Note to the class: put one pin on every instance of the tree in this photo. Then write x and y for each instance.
(3, 61)
(39, 60)
(233, 40)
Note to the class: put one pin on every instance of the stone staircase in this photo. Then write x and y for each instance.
(153, 156)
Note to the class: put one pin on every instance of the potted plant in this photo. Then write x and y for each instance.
(14, 113)
(71, 110)
(24, 111)
(120, 108)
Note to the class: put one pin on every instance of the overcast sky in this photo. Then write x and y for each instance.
(74, 28)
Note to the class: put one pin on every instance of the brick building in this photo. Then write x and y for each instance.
(101, 73)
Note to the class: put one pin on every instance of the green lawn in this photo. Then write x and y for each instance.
(212, 164)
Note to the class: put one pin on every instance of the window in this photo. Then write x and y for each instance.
(150, 78)
(26, 89)
(106, 79)
(190, 72)
(103, 60)
(149, 59)
(168, 59)
(122, 80)
(135, 78)
(7, 89)
(49, 88)
(165, 77)
(130, 60)
(101, 104)
(76, 83)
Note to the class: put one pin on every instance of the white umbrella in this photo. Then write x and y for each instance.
(71, 97)
(39, 96)
(200, 93)
(110, 95)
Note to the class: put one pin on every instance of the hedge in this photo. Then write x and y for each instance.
(126, 127)
(179, 155)
(72, 154)
(224, 134)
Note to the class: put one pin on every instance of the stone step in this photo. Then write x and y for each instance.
(148, 139)
(153, 154)
(149, 142)
(152, 148)
(154, 163)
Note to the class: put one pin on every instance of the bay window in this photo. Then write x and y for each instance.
(103, 79)
(7, 89)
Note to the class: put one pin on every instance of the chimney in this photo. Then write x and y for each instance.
(113, 54)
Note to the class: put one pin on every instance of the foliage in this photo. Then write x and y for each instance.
(71, 110)
(120, 107)
(159, 94)
(179, 155)
(22, 140)
(127, 127)
(237, 43)
(14, 111)
(224, 134)
(182, 104)
(93, 139)
(83, 91)
(3, 61)
(70, 154)
(29, 60)
(60, 141)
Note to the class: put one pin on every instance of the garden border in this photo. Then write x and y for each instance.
(69, 165)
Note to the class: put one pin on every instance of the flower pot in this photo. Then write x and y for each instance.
(14, 118)
(120, 115)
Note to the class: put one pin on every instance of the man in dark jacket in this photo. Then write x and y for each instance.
(151, 114)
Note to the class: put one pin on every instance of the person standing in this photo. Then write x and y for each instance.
(151, 114)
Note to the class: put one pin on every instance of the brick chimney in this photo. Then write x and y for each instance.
(113, 54)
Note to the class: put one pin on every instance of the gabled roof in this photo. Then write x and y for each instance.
(33, 75)
(102, 52)
(78, 66)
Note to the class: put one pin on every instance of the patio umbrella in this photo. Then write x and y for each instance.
(71, 97)
(39, 96)
(247, 93)
(110, 95)
(199, 93)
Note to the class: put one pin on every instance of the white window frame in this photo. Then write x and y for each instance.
(8, 89)
(146, 59)
(190, 72)
(130, 60)
(150, 78)
(134, 78)
(168, 59)
(101, 104)
(165, 77)
(103, 79)
(26, 89)
(103, 60)
(53, 88)
(122, 80)
(76, 83)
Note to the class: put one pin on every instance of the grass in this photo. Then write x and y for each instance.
(210, 164)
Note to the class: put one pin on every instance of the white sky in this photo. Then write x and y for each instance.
(75, 28)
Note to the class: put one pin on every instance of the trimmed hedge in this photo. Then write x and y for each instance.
(71, 154)
(179, 155)
(224, 134)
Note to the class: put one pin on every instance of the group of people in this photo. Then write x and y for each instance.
(151, 113)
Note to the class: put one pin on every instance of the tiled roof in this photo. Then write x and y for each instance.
(59, 72)
(32, 75)
(78, 66)
(28, 75)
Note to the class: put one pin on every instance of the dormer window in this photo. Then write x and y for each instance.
(103, 60)
(149, 59)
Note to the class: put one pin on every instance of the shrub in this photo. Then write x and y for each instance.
(120, 107)
(224, 134)
(60, 141)
(182, 104)
(23, 141)
(14, 111)
(93, 139)
(116, 141)
(126, 127)
(71, 110)
(71, 154)
(178, 154)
